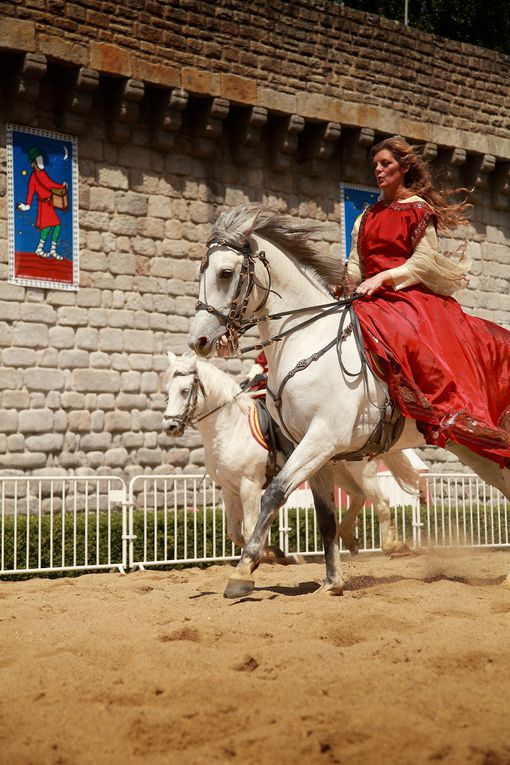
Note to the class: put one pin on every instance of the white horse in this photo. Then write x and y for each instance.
(259, 263)
(200, 393)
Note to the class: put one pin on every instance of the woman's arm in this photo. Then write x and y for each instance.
(443, 274)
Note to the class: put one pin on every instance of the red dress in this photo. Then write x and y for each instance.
(446, 369)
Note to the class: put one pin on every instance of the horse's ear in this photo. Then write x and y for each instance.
(171, 357)
(248, 225)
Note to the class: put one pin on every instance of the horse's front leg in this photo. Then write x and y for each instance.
(308, 457)
(323, 490)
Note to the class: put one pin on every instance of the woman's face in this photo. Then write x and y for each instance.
(388, 173)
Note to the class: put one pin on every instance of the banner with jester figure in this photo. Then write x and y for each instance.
(42, 169)
(353, 201)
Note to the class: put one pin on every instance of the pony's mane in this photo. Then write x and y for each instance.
(286, 232)
(219, 386)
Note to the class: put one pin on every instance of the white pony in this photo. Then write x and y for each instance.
(200, 393)
(259, 263)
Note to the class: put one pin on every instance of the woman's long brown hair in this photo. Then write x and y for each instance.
(417, 179)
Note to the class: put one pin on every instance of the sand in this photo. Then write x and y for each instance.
(411, 665)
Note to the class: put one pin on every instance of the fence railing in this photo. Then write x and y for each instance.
(67, 523)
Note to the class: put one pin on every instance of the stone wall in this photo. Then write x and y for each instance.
(181, 112)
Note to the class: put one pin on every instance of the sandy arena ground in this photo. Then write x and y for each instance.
(411, 666)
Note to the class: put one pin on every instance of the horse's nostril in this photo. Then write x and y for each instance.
(202, 345)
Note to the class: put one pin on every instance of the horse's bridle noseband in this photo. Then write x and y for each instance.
(188, 415)
(233, 321)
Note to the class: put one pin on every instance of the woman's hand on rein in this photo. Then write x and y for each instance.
(371, 285)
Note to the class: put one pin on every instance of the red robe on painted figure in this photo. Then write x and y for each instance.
(41, 184)
(446, 369)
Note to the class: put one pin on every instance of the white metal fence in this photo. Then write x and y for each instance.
(66, 523)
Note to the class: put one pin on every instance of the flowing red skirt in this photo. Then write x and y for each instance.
(446, 369)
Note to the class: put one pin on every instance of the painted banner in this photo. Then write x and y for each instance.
(42, 170)
(354, 200)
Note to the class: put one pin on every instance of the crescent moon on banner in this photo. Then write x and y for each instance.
(66, 153)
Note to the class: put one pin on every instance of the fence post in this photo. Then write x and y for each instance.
(416, 515)
(283, 530)
(120, 496)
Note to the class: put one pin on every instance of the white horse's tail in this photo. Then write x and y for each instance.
(407, 477)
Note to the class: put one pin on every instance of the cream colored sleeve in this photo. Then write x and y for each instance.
(443, 274)
(353, 265)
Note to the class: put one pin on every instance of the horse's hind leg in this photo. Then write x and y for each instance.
(324, 498)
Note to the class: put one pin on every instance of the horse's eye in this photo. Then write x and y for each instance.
(185, 391)
(226, 273)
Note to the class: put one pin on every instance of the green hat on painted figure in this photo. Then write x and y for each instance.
(34, 152)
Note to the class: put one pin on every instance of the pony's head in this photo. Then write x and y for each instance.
(196, 389)
(183, 387)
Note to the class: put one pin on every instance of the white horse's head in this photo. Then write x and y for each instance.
(236, 273)
(226, 288)
(183, 389)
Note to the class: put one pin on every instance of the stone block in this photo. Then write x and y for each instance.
(73, 359)
(36, 421)
(140, 341)
(106, 401)
(151, 420)
(23, 460)
(15, 442)
(116, 457)
(87, 338)
(30, 335)
(117, 422)
(110, 340)
(61, 337)
(10, 311)
(110, 59)
(131, 401)
(95, 442)
(7, 378)
(274, 101)
(156, 73)
(102, 199)
(113, 178)
(72, 400)
(50, 442)
(74, 317)
(97, 380)
(159, 207)
(15, 399)
(131, 203)
(19, 357)
(44, 379)
(8, 420)
(200, 81)
(58, 48)
(17, 35)
(149, 457)
(79, 421)
(239, 90)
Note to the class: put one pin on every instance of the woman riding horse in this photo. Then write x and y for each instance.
(446, 369)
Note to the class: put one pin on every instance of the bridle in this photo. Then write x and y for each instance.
(187, 417)
(233, 322)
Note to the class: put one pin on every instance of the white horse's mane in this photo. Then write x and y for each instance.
(220, 387)
(284, 231)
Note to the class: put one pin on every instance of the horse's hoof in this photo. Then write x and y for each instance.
(332, 588)
(238, 588)
(399, 550)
